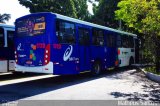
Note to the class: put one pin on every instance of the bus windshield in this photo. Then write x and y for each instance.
(31, 26)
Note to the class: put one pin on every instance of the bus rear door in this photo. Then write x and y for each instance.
(3, 60)
(84, 48)
(10, 48)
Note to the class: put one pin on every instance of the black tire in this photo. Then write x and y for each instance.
(116, 68)
(131, 61)
(96, 68)
(17, 73)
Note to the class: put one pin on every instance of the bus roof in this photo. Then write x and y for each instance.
(6, 26)
(82, 22)
(91, 24)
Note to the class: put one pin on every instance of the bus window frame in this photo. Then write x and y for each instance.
(12, 45)
(103, 36)
(114, 40)
(88, 36)
(3, 37)
(124, 41)
(58, 31)
(118, 40)
(131, 42)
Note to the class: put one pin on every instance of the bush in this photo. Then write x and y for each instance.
(152, 70)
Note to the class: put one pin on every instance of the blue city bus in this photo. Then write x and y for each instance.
(7, 61)
(60, 45)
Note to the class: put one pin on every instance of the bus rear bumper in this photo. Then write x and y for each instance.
(48, 69)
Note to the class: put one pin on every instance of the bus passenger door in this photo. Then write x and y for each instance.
(10, 47)
(84, 49)
(3, 60)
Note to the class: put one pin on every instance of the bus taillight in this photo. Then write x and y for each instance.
(47, 55)
(116, 63)
(119, 52)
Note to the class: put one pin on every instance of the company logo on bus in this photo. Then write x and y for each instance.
(19, 47)
(68, 53)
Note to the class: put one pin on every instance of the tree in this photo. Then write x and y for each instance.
(64, 7)
(144, 16)
(104, 13)
(71, 8)
(4, 17)
(82, 9)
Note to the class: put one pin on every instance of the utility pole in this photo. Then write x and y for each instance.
(120, 24)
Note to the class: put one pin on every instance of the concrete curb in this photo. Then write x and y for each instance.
(152, 76)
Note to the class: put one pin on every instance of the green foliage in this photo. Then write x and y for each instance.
(142, 15)
(4, 17)
(64, 7)
(71, 8)
(152, 70)
(82, 9)
(147, 51)
(148, 56)
(104, 13)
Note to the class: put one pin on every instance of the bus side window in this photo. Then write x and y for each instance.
(1, 37)
(10, 35)
(119, 41)
(131, 42)
(124, 41)
(58, 31)
(97, 37)
(65, 32)
(83, 36)
(110, 40)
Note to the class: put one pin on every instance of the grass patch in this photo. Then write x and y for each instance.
(152, 70)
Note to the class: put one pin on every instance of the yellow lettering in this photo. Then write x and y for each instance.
(39, 26)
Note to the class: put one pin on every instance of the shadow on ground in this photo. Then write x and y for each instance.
(26, 89)
(151, 89)
(12, 76)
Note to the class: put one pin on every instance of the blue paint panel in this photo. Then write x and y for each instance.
(65, 65)
(111, 57)
(97, 53)
(84, 58)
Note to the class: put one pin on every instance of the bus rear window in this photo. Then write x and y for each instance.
(31, 26)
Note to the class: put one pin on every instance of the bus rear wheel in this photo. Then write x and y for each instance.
(131, 61)
(96, 68)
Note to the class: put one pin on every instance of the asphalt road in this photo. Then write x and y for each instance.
(123, 84)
